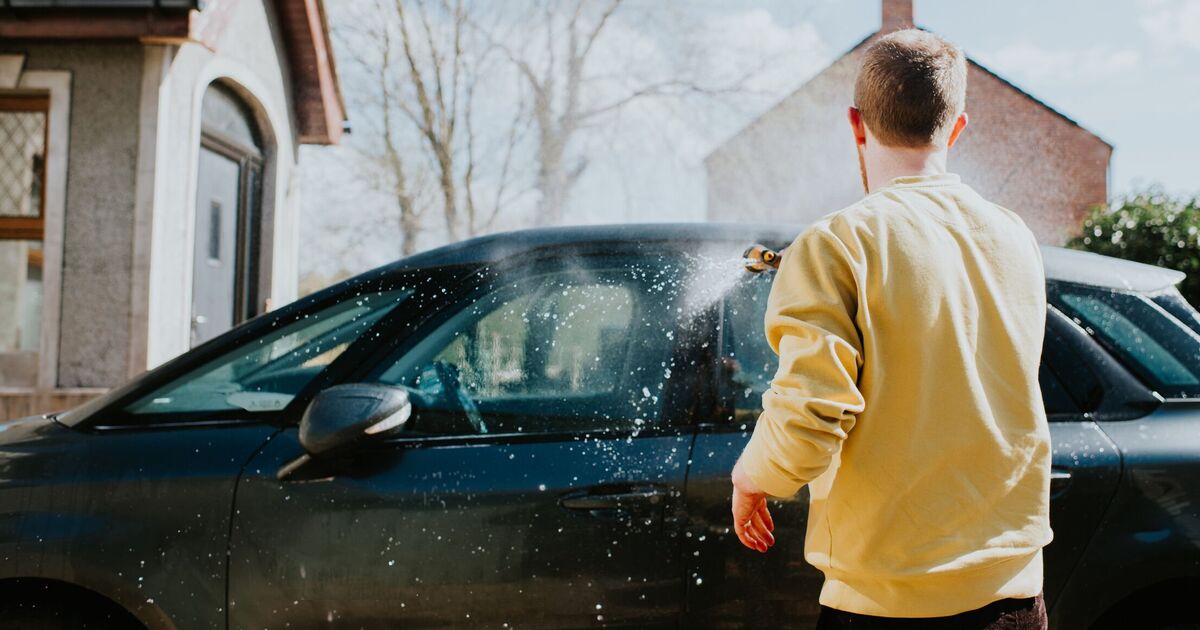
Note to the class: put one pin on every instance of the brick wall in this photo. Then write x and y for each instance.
(1029, 159)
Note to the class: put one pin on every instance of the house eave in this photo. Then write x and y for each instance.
(93, 24)
(320, 110)
(316, 95)
(1038, 101)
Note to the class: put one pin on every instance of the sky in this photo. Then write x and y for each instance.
(1127, 70)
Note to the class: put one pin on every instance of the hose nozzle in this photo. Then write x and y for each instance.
(759, 258)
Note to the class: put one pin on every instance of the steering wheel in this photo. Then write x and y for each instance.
(453, 394)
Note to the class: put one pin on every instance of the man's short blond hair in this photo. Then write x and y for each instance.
(911, 87)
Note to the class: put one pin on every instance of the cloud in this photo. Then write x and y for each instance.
(1030, 62)
(1171, 23)
(639, 161)
(645, 159)
(779, 58)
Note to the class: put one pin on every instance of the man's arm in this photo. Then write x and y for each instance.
(814, 398)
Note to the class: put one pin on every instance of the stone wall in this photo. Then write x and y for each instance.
(98, 235)
(130, 194)
(1029, 159)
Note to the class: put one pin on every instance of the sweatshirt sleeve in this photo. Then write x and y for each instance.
(814, 397)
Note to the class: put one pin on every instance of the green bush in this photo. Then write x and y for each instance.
(1150, 227)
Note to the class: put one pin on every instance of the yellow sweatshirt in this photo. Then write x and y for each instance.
(909, 331)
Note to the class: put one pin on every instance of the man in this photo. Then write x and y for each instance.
(909, 332)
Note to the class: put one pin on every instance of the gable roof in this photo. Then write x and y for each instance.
(1036, 100)
(867, 40)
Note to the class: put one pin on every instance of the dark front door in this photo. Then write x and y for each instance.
(1086, 464)
(729, 585)
(537, 484)
(225, 282)
(214, 265)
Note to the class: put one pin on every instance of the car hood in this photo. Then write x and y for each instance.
(14, 433)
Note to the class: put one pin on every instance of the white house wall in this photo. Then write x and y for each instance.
(247, 56)
(793, 164)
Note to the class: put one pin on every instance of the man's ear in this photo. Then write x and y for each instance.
(857, 125)
(959, 125)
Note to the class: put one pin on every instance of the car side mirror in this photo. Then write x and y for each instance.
(344, 415)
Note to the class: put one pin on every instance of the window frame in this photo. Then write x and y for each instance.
(726, 406)
(40, 368)
(29, 228)
(248, 251)
(1058, 332)
(1173, 302)
(1162, 391)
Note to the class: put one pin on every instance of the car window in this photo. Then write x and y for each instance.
(266, 373)
(566, 350)
(1151, 342)
(1174, 303)
(1055, 397)
(748, 363)
(1070, 386)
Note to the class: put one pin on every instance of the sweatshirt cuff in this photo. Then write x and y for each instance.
(757, 464)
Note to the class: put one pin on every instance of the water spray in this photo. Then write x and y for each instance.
(759, 258)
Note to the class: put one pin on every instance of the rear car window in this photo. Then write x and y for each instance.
(1145, 337)
(1179, 308)
(1055, 397)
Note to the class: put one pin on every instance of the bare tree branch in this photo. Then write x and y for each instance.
(439, 143)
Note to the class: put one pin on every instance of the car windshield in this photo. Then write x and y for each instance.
(265, 373)
(1147, 338)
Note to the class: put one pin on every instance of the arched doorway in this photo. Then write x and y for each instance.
(228, 216)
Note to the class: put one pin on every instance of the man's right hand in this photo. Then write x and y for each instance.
(751, 518)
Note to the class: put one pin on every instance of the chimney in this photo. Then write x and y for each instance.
(897, 14)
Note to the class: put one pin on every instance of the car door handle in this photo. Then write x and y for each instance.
(634, 499)
(1060, 480)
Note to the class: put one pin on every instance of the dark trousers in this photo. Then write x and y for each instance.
(1004, 614)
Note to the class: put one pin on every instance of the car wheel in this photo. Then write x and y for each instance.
(59, 615)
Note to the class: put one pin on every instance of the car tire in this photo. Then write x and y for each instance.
(45, 614)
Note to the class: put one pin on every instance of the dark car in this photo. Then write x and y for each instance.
(536, 429)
